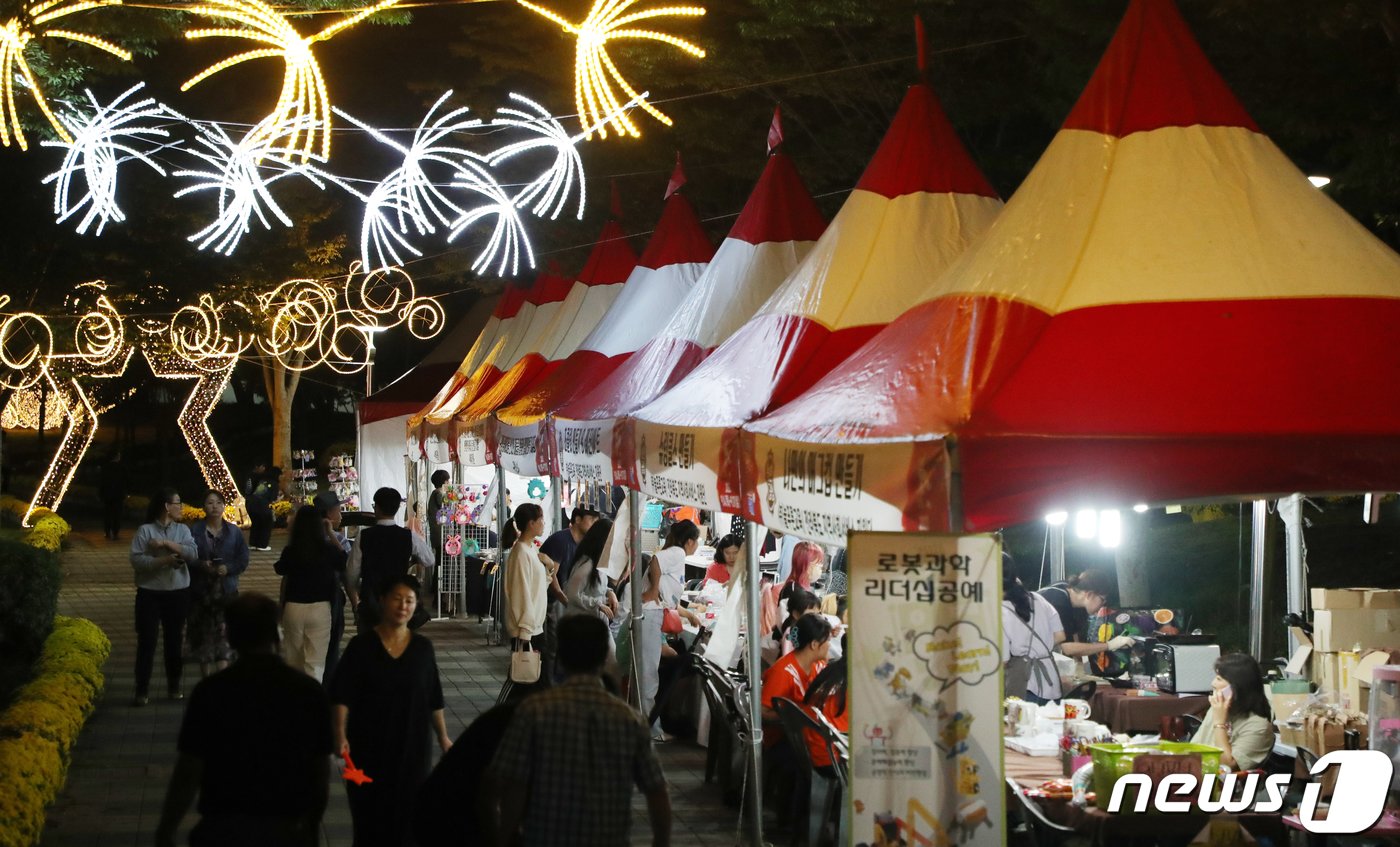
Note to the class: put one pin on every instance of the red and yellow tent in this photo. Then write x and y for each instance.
(1166, 309)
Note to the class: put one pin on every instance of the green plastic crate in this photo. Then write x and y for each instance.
(1114, 760)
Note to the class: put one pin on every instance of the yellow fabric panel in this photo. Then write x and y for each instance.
(879, 254)
(1175, 214)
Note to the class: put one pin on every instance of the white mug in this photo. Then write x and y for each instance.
(1076, 709)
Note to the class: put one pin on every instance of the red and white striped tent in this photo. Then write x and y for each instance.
(920, 202)
(544, 344)
(776, 229)
(1166, 309)
(384, 415)
(494, 350)
(674, 259)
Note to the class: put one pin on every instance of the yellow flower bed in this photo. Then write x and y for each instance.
(47, 529)
(39, 728)
(281, 508)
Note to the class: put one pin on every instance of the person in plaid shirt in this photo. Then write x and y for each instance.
(567, 763)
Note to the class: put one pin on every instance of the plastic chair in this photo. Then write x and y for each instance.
(823, 793)
(1042, 831)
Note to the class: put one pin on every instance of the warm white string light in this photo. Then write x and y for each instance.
(15, 37)
(301, 120)
(594, 71)
(98, 145)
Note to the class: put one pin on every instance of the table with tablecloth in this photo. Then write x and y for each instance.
(1125, 712)
(1100, 827)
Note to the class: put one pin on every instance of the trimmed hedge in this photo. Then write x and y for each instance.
(38, 730)
(29, 582)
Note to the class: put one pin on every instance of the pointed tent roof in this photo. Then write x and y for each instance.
(920, 202)
(550, 338)
(674, 259)
(519, 307)
(407, 394)
(776, 229)
(1166, 309)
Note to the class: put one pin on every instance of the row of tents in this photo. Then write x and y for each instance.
(1166, 309)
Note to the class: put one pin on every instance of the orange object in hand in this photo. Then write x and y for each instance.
(352, 773)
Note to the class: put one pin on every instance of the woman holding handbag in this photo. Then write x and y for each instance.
(1030, 632)
(661, 616)
(528, 576)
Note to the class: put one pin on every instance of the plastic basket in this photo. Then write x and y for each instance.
(1114, 760)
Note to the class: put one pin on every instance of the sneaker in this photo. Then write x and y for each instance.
(176, 694)
(140, 700)
(662, 737)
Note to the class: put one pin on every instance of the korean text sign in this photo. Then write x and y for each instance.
(925, 689)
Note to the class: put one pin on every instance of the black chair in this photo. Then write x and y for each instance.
(1082, 691)
(1192, 723)
(821, 792)
(1040, 830)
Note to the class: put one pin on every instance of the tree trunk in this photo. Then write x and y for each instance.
(281, 383)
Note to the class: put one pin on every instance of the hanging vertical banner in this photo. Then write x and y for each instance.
(925, 689)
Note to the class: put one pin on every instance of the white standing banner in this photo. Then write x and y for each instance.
(583, 448)
(925, 689)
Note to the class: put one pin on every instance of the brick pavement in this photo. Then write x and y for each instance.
(124, 757)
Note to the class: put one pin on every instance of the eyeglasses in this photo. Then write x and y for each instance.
(174, 503)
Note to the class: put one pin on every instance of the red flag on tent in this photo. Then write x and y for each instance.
(677, 179)
(775, 129)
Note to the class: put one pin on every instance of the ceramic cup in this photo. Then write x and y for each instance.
(1076, 709)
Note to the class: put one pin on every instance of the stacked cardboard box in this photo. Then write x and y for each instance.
(1353, 631)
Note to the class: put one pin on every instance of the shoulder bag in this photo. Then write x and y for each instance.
(671, 622)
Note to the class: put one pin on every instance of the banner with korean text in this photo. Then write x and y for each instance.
(925, 689)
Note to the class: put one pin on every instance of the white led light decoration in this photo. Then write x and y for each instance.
(99, 144)
(594, 71)
(552, 187)
(408, 196)
(33, 22)
(301, 120)
(241, 173)
(508, 238)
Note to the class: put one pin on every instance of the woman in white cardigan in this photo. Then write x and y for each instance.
(528, 575)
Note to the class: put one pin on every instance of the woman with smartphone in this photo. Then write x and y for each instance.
(160, 553)
(223, 555)
(1238, 720)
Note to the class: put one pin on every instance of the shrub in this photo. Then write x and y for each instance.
(29, 580)
(38, 731)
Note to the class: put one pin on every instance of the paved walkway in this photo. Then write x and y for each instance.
(124, 757)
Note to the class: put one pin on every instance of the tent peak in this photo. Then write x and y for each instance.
(921, 152)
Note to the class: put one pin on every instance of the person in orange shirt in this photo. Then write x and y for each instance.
(791, 675)
(827, 694)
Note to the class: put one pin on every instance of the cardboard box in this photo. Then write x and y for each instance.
(1338, 630)
(1294, 735)
(1359, 686)
(1333, 673)
(1354, 598)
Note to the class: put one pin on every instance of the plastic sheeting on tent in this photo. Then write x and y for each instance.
(776, 229)
(918, 205)
(384, 415)
(1166, 309)
(548, 341)
(484, 363)
(675, 257)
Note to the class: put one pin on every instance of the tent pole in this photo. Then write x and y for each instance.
(1291, 510)
(754, 798)
(955, 504)
(496, 591)
(634, 557)
(556, 503)
(1057, 552)
(1258, 532)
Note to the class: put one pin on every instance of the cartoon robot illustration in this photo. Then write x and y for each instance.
(969, 783)
(899, 681)
(876, 736)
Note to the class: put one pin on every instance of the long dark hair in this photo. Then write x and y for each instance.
(831, 682)
(156, 507)
(681, 534)
(309, 540)
(730, 540)
(591, 548)
(1246, 682)
(1014, 591)
(525, 514)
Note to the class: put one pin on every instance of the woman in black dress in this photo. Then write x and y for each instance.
(387, 700)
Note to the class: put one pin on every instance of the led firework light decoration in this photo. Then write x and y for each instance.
(408, 196)
(33, 22)
(552, 187)
(98, 145)
(594, 71)
(508, 237)
(301, 120)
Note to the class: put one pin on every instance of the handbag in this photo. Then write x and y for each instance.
(524, 664)
(671, 622)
